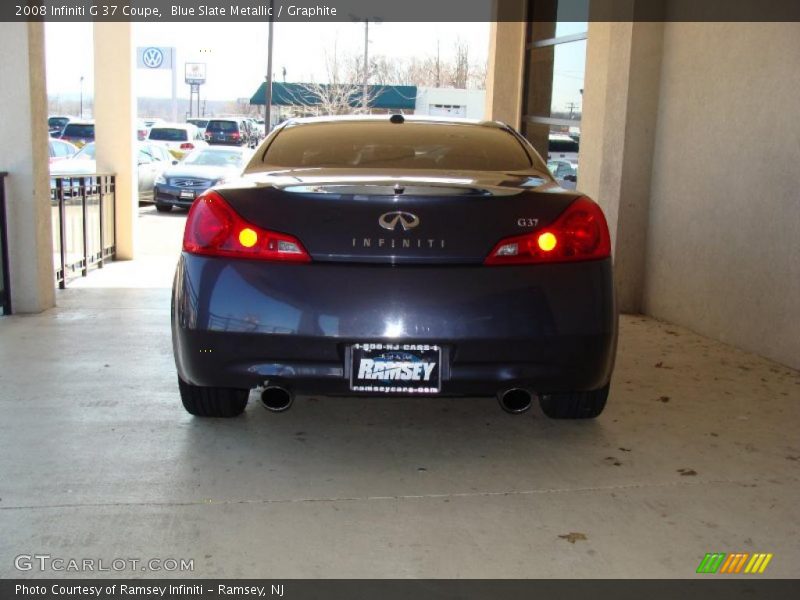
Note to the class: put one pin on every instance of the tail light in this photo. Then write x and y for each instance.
(187, 146)
(213, 228)
(235, 135)
(580, 233)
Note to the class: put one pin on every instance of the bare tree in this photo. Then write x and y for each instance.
(344, 94)
(459, 70)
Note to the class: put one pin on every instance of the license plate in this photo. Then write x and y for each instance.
(396, 368)
(187, 194)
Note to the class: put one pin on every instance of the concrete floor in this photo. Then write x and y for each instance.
(698, 451)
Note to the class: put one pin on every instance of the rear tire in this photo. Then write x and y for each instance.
(163, 207)
(574, 405)
(212, 401)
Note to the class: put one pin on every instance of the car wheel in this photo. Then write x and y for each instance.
(574, 405)
(212, 401)
(163, 207)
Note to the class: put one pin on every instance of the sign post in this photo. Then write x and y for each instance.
(195, 76)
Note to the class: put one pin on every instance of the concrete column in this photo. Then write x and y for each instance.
(115, 114)
(24, 154)
(504, 75)
(620, 112)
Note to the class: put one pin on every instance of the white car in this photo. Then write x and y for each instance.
(151, 162)
(563, 148)
(178, 138)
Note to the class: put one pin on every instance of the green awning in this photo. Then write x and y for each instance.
(303, 94)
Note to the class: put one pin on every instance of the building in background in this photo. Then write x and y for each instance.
(450, 102)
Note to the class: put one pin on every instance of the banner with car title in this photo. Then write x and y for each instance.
(391, 10)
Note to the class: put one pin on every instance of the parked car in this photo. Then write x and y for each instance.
(178, 138)
(142, 130)
(151, 161)
(562, 147)
(55, 125)
(181, 184)
(60, 150)
(200, 123)
(385, 256)
(565, 172)
(78, 132)
(229, 131)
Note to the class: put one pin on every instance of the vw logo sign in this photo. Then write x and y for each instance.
(390, 220)
(152, 57)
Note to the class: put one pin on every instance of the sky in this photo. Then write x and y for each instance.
(236, 53)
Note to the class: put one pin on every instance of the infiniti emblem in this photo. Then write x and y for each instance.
(405, 219)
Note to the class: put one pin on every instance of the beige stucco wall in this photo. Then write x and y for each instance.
(24, 154)
(115, 115)
(723, 243)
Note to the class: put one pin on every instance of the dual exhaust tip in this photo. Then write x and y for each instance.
(514, 401)
(276, 399)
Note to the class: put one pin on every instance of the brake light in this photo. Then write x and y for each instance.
(187, 146)
(580, 233)
(213, 228)
(235, 135)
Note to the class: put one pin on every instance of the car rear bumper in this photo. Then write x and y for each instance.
(166, 194)
(241, 323)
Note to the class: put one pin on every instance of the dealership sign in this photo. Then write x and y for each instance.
(154, 57)
(195, 73)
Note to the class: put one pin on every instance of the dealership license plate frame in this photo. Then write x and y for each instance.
(403, 387)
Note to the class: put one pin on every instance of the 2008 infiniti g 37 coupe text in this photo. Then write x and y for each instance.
(394, 256)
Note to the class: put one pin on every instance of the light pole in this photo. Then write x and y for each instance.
(81, 96)
(268, 90)
(365, 91)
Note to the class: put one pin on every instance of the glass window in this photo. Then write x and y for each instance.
(79, 130)
(215, 158)
(380, 144)
(168, 134)
(555, 79)
(226, 126)
(87, 152)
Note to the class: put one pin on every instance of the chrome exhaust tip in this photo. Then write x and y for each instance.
(515, 400)
(276, 399)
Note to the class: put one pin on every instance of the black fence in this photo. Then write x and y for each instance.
(84, 235)
(5, 286)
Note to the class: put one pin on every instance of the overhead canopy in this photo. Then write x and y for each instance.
(308, 94)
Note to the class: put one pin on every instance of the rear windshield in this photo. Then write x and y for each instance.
(199, 122)
(57, 122)
(168, 134)
(409, 145)
(215, 158)
(563, 146)
(222, 126)
(81, 131)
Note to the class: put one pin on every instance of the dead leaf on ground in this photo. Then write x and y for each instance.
(687, 471)
(663, 399)
(573, 537)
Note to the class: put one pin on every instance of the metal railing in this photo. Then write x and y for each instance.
(5, 285)
(84, 233)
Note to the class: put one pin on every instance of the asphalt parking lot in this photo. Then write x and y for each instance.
(698, 451)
